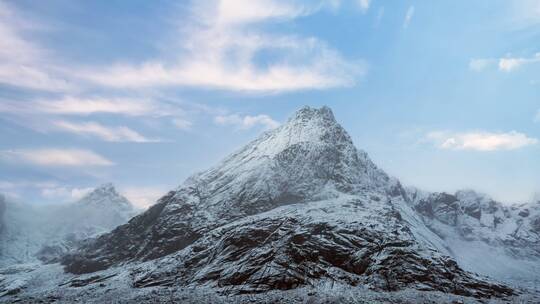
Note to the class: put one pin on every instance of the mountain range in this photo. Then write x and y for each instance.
(299, 213)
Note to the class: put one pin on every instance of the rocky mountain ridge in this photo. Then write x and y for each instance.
(221, 228)
(300, 208)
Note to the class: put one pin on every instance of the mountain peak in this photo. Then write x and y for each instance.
(307, 113)
(106, 187)
(308, 126)
(105, 194)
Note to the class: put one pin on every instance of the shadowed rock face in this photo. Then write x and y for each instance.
(298, 206)
(301, 246)
(442, 206)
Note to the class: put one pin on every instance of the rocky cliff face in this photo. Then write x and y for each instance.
(476, 217)
(483, 235)
(299, 206)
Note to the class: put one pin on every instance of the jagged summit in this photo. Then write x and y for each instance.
(104, 196)
(310, 153)
(307, 113)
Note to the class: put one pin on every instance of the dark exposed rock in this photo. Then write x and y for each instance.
(285, 252)
(442, 206)
(524, 213)
(80, 282)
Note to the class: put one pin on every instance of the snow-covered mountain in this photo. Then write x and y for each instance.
(483, 235)
(299, 208)
(45, 232)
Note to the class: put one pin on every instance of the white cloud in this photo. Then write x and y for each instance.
(505, 64)
(143, 197)
(481, 141)
(408, 16)
(113, 134)
(86, 106)
(218, 44)
(246, 122)
(509, 64)
(70, 105)
(65, 193)
(238, 11)
(22, 63)
(218, 49)
(364, 5)
(56, 157)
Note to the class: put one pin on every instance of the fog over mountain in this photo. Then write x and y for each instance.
(299, 214)
(30, 233)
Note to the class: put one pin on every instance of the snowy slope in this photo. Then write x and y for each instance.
(298, 208)
(32, 232)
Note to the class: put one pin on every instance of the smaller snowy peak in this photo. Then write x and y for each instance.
(105, 196)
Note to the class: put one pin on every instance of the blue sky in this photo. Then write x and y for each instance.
(443, 95)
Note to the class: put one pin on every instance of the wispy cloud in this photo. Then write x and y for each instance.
(219, 44)
(107, 133)
(64, 193)
(22, 62)
(70, 105)
(55, 157)
(481, 141)
(246, 122)
(504, 64)
(509, 64)
(364, 5)
(408, 16)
